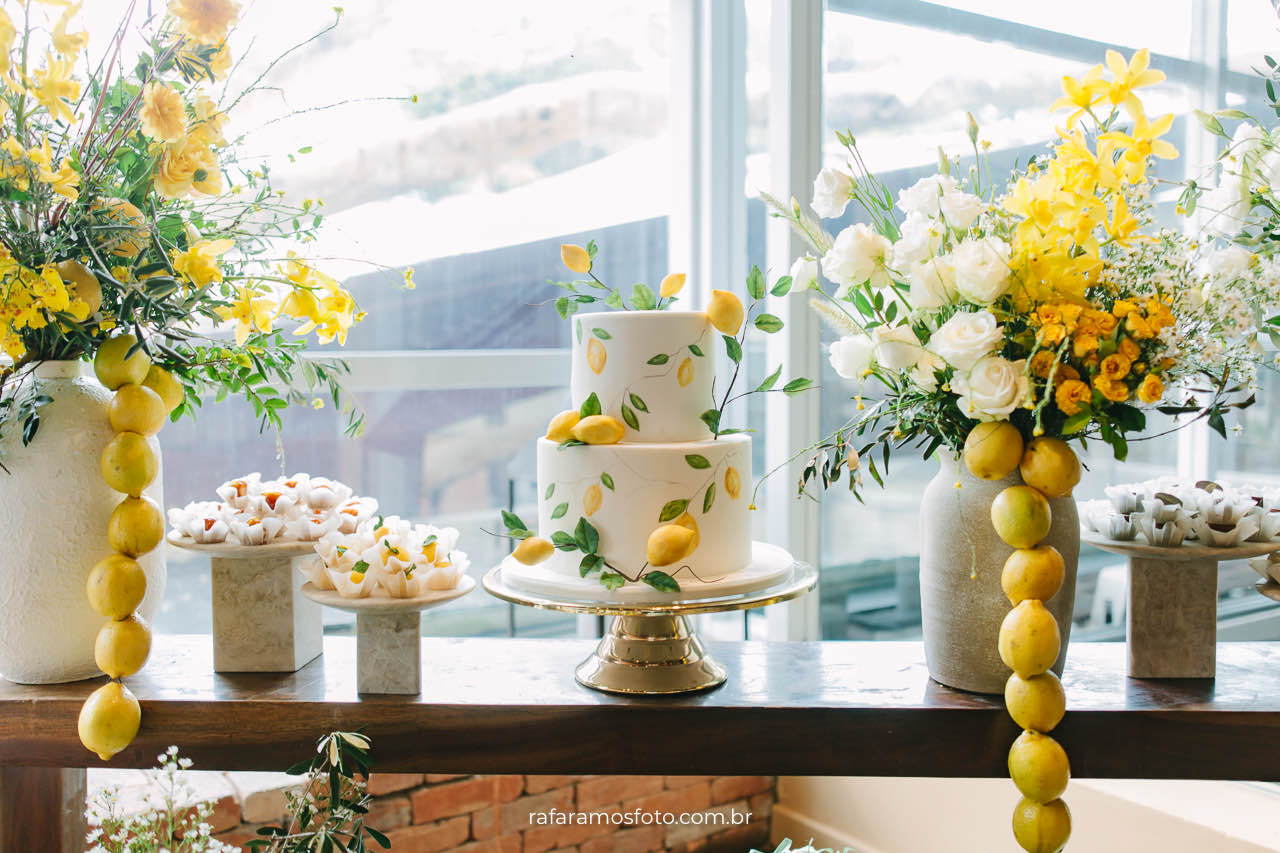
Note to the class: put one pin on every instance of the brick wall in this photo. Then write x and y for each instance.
(491, 814)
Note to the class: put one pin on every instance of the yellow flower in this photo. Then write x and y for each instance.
(199, 263)
(1072, 396)
(1115, 366)
(1081, 94)
(54, 88)
(1116, 392)
(68, 44)
(1042, 362)
(1106, 323)
(409, 283)
(1140, 327)
(1123, 307)
(209, 122)
(13, 167)
(575, 258)
(1053, 334)
(163, 115)
(1134, 75)
(1128, 349)
(8, 34)
(64, 181)
(205, 21)
(1151, 389)
(1084, 343)
(220, 61)
(251, 312)
(187, 165)
(1123, 225)
(330, 314)
(1144, 142)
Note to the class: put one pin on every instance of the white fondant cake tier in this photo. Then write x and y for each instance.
(651, 370)
(769, 565)
(626, 491)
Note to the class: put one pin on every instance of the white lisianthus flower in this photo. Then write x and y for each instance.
(967, 338)
(1228, 264)
(896, 347)
(925, 195)
(1228, 205)
(992, 389)
(851, 356)
(1245, 150)
(982, 269)
(924, 373)
(859, 254)
(933, 283)
(919, 238)
(960, 209)
(832, 190)
(1267, 176)
(804, 273)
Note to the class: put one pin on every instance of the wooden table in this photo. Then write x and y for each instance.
(512, 706)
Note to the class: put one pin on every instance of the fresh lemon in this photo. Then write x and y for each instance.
(1050, 466)
(135, 526)
(115, 367)
(123, 230)
(533, 550)
(129, 463)
(596, 356)
(109, 720)
(1029, 639)
(116, 586)
(1036, 703)
(592, 499)
(122, 646)
(992, 450)
(1033, 573)
(669, 544)
(163, 383)
(84, 283)
(1041, 827)
(725, 311)
(687, 520)
(136, 408)
(561, 426)
(1021, 516)
(598, 429)
(1038, 766)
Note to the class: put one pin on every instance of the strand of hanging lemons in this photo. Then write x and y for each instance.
(1029, 639)
(144, 396)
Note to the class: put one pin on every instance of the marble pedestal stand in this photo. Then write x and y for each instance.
(1173, 603)
(388, 635)
(1270, 589)
(261, 623)
(649, 648)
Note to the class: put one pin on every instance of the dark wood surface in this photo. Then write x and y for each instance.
(42, 808)
(511, 706)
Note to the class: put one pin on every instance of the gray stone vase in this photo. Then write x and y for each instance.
(961, 559)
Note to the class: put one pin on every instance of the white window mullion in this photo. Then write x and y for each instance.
(684, 223)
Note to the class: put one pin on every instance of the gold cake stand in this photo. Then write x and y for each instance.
(649, 648)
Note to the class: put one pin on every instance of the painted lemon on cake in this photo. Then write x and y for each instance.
(1041, 827)
(725, 312)
(533, 550)
(109, 720)
(598, 429)
(1029, 639)
(689, 522)
(992, 450)
(684, 373)
(560, 428)
(669, 544)
(733, 482)
(596, 356)
(1038, 766)
(592, 499)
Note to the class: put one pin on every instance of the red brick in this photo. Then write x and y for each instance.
(540, 838)
(728, 788)
(452, 798)
(565, 850)
(505, 844)
(514, 816)
(603, 790)
(538, 784)
(717, 820)
(695, 798)
(387, 783)
(239, 836)
(433, 778)
(484, 823)
(507, 788)
(388, 813)
(672, 783)
(225, 814)
(643, 839)
(761, 805)
(430, 838)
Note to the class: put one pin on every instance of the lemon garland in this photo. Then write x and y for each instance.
(1029, 641)
(145, 394)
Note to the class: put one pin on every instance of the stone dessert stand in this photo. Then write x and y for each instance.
(1270, 589)
(649, 648)
(388, 634)
(261, 623)
(1173, 603)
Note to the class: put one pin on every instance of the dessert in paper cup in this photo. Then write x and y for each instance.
(389, 556)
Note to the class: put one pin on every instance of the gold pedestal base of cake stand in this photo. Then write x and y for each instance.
(649, 649)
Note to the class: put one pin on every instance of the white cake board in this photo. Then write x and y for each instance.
(768, 565)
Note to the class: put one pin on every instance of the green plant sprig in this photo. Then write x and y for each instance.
(585, 539)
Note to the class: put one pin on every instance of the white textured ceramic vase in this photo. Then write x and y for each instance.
(54, 507)
(961, 559)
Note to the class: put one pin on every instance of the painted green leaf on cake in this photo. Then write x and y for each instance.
(559, 511)
(732, 348)
(614, 299)
(590, 406)
(590, 563)
(551, 490)
(639, 403)
(672, 510)
(587, 537)
(577, 326)
(770, 380)
(602, 334)
(569, 442)
(783, 287)
(769, 323)
(629, 417)
(709, 498)
(697, 460)
(755, 283)
(795, 386)
(564, 541)
(711, 417)
(696, 350)
(642, 298)
(607, 480)
(612, 580)
(660, 358)
(661, 581)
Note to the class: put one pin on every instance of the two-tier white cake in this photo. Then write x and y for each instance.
(652, 372)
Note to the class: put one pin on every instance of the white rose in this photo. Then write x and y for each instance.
(982, 269)
(966, 338)
(925, 371)
(831, 192)
(925, 195)
(992, 389)
(960, 209)
(919, 238)
(1268, 173)
(859, 254)
(1244, 150)
(804, 273)
(1230, 263)
(1227, 206)
(933, 283)
(896, 347)
(851, 356)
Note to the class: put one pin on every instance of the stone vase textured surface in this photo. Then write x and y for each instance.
(961, 559)
(54, 507)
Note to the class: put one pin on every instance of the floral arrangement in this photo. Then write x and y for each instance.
(125, 206)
